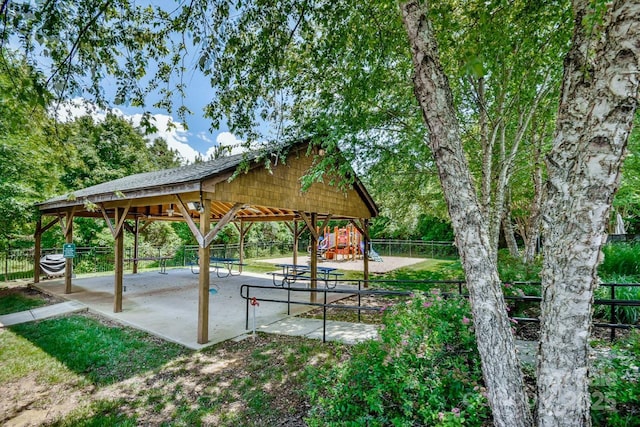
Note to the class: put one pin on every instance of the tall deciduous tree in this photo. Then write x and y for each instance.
(597, 109)
(496, 344)
(28, 165)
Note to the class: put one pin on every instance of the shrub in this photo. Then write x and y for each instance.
(620, 259)
(513, 269)
(424, 370)
(615, 388)
(624, 314)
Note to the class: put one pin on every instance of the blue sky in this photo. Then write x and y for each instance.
(198, 138)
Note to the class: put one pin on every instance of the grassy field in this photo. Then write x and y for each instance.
(84, 370)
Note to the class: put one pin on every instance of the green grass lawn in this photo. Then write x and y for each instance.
(127, 377)
(101, 353)
(250, 383)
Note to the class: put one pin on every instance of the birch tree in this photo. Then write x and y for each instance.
(595, 117)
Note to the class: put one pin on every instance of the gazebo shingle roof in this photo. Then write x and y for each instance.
(180, 175)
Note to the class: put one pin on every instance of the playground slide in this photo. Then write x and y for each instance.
(373, 255)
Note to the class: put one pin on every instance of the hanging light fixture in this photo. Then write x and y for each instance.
(170, 211)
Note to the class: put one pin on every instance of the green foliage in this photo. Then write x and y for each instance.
(627, 199)
(100, 151)
(101, 353)
(29, 161)
(433, 228)
(513, 269)
(615, 387)
(621, 264)
(337, 73)
(269, 232)
(424, 370)
(620, 259)
(624, 314)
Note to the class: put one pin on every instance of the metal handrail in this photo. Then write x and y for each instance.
(613, 324)
(323, 304)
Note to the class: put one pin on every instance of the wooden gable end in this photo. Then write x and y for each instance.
(280, 188)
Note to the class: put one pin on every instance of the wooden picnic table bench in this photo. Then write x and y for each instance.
(162, 261)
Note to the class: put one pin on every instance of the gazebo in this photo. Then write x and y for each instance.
(237, 189)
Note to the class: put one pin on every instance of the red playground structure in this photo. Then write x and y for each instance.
(345, 241)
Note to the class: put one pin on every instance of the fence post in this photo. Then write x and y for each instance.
(614, 309)
(324, 316)
(359, 299)
(6, 266)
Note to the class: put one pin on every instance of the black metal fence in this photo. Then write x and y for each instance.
(622, 313)
(415, 248)
(18, 263)
(617, 302)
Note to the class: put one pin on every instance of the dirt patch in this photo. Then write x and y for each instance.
(372, 314)
(222, 385)
(29, 403)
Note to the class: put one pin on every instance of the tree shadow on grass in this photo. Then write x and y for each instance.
(102, 353)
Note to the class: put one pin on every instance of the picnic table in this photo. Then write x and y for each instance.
(224, 264)
(292, 272)
(162, 261)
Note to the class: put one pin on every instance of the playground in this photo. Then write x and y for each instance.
(344, 243)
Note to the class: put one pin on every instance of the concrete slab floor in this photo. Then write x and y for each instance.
(167, 305)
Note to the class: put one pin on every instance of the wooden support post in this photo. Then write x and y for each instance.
(203, 284)
(37, 251)
(365, 252)
(243, 230)
(119, 262)
(296, 235)
(136, 235)
(68, 265)
(314, 257)
(241, 249)
(295, 242)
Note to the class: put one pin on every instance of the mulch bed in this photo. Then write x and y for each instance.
(30, 292)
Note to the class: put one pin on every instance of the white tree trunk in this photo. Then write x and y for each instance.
(510, 234)
(598, 102)
(501, 369)
(533, 224)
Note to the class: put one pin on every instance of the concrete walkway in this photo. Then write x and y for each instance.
(345, 332)
(42, 313)
(167, 306)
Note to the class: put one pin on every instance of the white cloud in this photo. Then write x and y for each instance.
(77, 107)
(205, 137)
(229, 140)
(173, 132)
